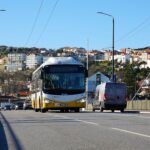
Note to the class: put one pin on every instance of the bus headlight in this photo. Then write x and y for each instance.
(81, 101)
(46, 101)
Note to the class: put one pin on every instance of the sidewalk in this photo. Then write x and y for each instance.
(144, 112)
(137, 111)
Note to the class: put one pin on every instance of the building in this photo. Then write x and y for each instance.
(145, 56)
(16, 61)
(3, 63)
(33, 61)
(93, 81)
(122, 58)
(96, 55)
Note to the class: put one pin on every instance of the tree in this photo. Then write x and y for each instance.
(131, 74)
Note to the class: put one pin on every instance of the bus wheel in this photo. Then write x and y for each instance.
(112, 110)
(76, 110)
(43, 110)
(61, 110)
(66, 110)
(36, 110)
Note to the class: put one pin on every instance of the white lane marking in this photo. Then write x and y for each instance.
(87, 122)
(75, 119)
(144, 112)
(135, 133)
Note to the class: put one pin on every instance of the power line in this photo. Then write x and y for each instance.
(46, 24)
(133, 31)
(34, 23)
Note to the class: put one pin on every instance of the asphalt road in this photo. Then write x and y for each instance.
(28, 130)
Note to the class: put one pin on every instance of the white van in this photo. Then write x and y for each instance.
(110, 96)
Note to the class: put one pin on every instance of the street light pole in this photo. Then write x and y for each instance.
(113, 42)
(2, 10)
(87, 66)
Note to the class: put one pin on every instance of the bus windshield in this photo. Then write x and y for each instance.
(64, 79)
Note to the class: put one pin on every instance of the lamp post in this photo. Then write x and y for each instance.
(2, 10)
(113, 45)
(87, 67)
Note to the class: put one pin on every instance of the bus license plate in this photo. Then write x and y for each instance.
(63, 105)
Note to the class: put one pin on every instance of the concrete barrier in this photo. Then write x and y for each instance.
(131, 105)
(138, 105)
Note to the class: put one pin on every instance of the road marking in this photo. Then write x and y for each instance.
(87, 122)
(135, 133)
(75, 119)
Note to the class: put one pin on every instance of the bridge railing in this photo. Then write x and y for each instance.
(138, 105)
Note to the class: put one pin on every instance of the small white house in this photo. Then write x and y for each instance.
(92, 83)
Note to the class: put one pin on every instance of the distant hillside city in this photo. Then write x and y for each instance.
(13, 59)
(17, 64)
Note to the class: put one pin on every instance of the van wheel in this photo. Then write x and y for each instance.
(122, 110)
(76, 109)
(112, 110)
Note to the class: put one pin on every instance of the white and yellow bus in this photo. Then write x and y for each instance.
(59, 84)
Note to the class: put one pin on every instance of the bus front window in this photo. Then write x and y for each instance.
(51, 81)
(75, 81)
(64, 81)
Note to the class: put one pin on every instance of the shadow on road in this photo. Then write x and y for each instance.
(3, 141)
(132, 111)
(105, 111)
(14, 138)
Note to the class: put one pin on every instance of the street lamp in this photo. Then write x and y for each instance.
(113, 39)
(2, 10)
(87, 67)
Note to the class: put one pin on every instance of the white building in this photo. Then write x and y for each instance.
(45, 58)
(33, 61)
(145, 57)
(123, 58)
(92, 83)
(16, 61)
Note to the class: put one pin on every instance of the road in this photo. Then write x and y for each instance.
(28, 130)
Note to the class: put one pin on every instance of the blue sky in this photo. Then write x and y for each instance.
(74, 23)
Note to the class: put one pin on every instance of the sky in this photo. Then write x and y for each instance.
(53, 24)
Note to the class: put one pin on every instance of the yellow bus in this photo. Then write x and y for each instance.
(59, 84)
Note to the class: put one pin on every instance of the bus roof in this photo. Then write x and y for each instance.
(59, 61)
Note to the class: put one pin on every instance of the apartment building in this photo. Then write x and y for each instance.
(122, 58)
(96, 55)
(145, 56)
(16, 61)
(33, 61)
(3, 63)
